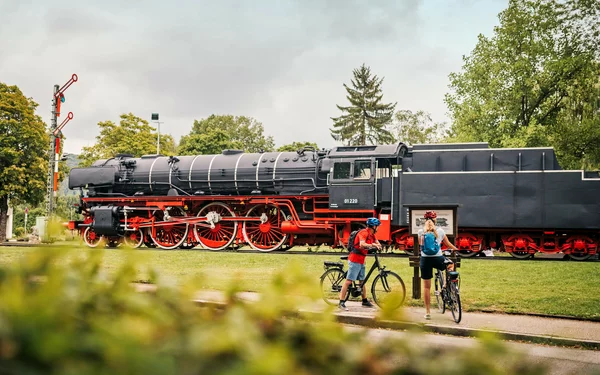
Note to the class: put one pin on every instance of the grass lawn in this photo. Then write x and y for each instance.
(561, 288)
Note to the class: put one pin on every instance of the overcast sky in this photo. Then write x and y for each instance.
(282, 62)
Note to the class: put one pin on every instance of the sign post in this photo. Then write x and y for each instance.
(446, 219)
(26, 213)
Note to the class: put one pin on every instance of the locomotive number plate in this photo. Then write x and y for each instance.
(351, 201)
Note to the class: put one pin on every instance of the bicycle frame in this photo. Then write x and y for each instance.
(375, 265)
(448, 280)
(446, 293)
(357, 283)
(384, 282)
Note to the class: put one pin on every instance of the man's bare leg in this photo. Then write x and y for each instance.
(345, 289)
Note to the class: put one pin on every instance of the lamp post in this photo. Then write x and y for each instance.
(155, 119)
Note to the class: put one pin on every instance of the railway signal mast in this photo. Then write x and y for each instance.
(54, 153)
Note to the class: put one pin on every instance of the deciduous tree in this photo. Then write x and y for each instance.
(133, 135)
(417, 128)
(211, 141)
(240, 132)
(366, 119)
(535, 82)
(23, 152)
(295, 146)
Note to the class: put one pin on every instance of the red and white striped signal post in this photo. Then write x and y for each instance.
(54, 154)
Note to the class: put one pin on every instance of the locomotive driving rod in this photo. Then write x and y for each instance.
(195, 220)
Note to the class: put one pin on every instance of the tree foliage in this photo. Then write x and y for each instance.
(417, 128)
(366, 119)
(23, 152)
(210, 142)
(62, 314)
(133, 135)
(218, 132)
(295, 146)
(535, 82)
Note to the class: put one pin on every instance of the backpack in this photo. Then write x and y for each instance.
(430, 244)
(351, 240)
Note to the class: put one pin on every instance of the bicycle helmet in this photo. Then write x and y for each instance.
(430, 215)
(373, 222)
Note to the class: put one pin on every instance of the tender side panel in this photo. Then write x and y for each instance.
(553, 200)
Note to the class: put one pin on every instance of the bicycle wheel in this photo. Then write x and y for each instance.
(454, 304)
(331, 284)
(439, 292)
(388, 290)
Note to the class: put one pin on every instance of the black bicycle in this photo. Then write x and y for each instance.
(387, 289)
(447, 293)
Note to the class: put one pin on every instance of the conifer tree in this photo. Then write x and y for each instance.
(365, 121)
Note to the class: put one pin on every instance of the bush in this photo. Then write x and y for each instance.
(34, 212)
(60, 315)
(18, 232)
(70, 235)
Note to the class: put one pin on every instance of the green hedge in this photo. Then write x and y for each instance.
(59, 314)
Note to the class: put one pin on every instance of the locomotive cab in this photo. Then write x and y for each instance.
(363, 177)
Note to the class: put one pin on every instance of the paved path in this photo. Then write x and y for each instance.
(558, 360)
(502, 322)
(517, 327)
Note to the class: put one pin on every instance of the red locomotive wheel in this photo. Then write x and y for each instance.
(169, 236)
(579, 247)
(265, 235)
(91, 238)
(134, 239)
(220, 234)
(148, 239)
(579, 256)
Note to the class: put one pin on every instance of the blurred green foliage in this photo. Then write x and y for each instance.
(18, 232)
(34, 212)
(61, 314)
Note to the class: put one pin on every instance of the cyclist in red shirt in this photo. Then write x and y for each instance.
(364, 241)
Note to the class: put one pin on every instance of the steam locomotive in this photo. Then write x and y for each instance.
(518, 199)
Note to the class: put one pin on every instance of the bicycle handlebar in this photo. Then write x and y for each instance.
(449, 252)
